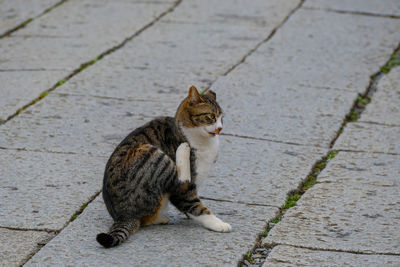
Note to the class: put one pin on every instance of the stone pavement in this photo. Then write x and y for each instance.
(80, 75)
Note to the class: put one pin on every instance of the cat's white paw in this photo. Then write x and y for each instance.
(213, 223)
(183, 162)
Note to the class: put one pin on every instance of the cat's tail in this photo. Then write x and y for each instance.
(119, 232)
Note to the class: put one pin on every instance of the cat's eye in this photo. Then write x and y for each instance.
(211, 116)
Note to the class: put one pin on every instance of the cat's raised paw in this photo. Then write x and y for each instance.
(183, 162)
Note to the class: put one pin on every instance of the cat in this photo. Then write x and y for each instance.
(164, 160)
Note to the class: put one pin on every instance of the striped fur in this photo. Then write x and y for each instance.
(142, 172)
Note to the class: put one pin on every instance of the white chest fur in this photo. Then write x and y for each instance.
(206, 149)
(205, 158)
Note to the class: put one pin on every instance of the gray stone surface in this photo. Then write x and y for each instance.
(258, 172)
(306, 51)
(181, 243)
(67, 123)
(285, 256)
(18, 88)
(43, 190)
(195, 44)
(277, 111)
(386, 7)
(369, 137)
(355, 208)
(296, 87)
(13, 13)
(17, 246)
(52, 46)
(76, 32)
(385, 104)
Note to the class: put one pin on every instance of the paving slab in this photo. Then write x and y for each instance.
(54, 45)
(299, 87)
(258, 172)
(306, 51)
(77, 124)
(282, 256)
(21, 87)
(281, 112)
(13, 13)
(153, 246)
(355, 208)
(77, 32)
(385, 8)
(369, 137)
(43, 190)
(385, 105)
(16, 246)
(195, 44)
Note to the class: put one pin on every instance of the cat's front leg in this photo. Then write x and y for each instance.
(183, 162)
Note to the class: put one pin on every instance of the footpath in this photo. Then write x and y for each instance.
(309, 166)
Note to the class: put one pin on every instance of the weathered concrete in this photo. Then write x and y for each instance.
(13, 13)
(385, 104)
(355, 208)
(43, 190)
(282, 256)
(241, 176)
(57, 43)
(387, 7)
(370, 138)
(283, 103)
(295, 88)
(53, 125)
(195, 44)
(18, 88)
(76, 32)
(305, 51)
(276, 111)
(191, 244)
(17, 246)
(367, 134)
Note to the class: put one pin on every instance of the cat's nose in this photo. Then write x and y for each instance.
(218, 130)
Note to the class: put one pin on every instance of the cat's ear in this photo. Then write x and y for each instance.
(211, 94)
(194, 96)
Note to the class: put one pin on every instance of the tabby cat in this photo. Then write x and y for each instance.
(165, 159)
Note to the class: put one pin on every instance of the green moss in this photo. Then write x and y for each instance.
(43, 95)
(332, 154)
(60, 82)
(363, 101)
(291, 201)
(394, 61)
(352, 117)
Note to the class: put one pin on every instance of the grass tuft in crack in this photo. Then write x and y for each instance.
(259, 253)
(81, 209)
(394, 61)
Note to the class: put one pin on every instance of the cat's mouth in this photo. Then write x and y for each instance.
(215, 132)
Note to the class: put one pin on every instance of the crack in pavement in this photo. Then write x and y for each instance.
(87, 64)
(360, 13)
(26, 22)
(47, 230)
(238, 202)
(338, 250)
(272, 140)
(251, 51)
(371, 88)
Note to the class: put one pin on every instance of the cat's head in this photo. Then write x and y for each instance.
(200, 113)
